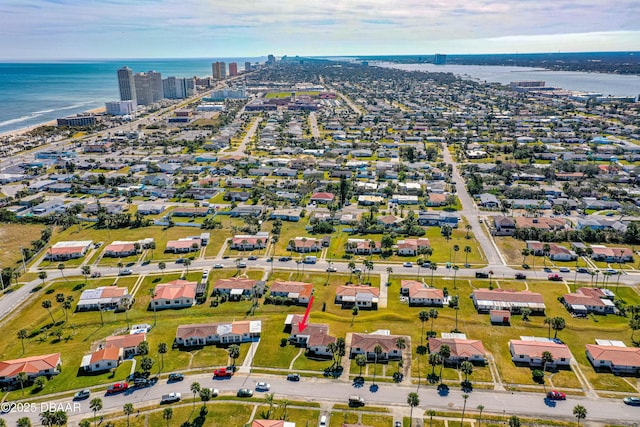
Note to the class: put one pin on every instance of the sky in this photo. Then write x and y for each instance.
(92, 29)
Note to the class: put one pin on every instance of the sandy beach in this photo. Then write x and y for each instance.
(22, 131)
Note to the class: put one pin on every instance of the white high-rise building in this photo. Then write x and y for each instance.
(178, 87)
(121, 108)
(148, 87)
(126, 84)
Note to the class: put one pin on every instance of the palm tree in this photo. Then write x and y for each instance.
(354, 313)
(128, 410)
(22, 422)
(95, 405)
(433, 267)
(162, 350)
(547, 321)
(456, 248)
(61, 268)
(22, 335)
(22, 378)
(42, 276)
(152, 294)
(468, 228)
(421, 350)
(467, 369)
(557, 324)
(546, 248)
(431, 413)
(580, 412)
(269, 400)
(352, 266)
(634, 324)
(167, 414)
(413, 400)
(195, 389)
(467, 251)
(162, 265)
(187, 263)
(86, 270)
(480, 408)
(234, 353)
(46, 304)
(423, 316)
(464, 406)
(455, 304)
(445, 353)
(525, 253)
(433, 314)
(205, 396)
(284, 404)
(401, 344)
(66, 306)
(514, 421)
(434, 360)
(377, 351)
(361, 362)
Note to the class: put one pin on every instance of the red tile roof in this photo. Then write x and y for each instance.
(29, 365)
(459, 347)
(534, 349)
(620, 356)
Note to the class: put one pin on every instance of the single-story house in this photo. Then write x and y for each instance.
(34, 366)
(503, 299)
(322, 197)
(286, 214)
(237, 287)
(412, 247)
(421, 295)
(120, 249)
(366, 343)
(604, 253)
(175, 294)
(218, 333)
(103, 359)
(249, 242)
(315, 337)
(530, 352)
(358, 296)
(104, 298)
(503, 226)
(273, 423)
(63, 251)
(305, 244)
(297, 292)
(620, 360)
(363, 247)
(500, 316)
(183, 245)
(128, 343)
(461, 349)
(590, 300)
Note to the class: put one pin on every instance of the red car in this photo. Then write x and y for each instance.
(222, 373)
(117, 388)
(555, 277)
(556, 395)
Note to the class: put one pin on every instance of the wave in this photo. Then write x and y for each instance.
(39, 113)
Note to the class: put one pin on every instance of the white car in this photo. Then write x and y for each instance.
(218, 266)
(564, 270)
(407, 264)
(262, 386)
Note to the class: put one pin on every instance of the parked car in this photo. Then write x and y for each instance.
(356, 401)
(180, 261)
(564, 270)
(263, 386)
(632, 401)
(555, 277)
(125, 272)
(252, 258)
(482, 275)
(222, 373)
(170, 398)
(526, 266)
(284, 258)
(293, 377)
(218, 266)
(582, 270)
(521, 276)
(244, 392)
(331, 269)
(117, 388)
(323, 421)
(175, 377)
(610, 271)
(547, 270)
(407, 264)
(556, 395)
(242, 264)
(81, 395)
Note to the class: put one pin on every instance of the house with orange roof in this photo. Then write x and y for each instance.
(175, 294)
(315, 337)
(366, 343)
(249, 242)
(296, 292)
(608, 254)
(616, 358)
(461, 349)
(529, 352)
(46, 365)
(322, 197)
(120, 249)
(104, 298)
(103, 359)
(420, 294)
(589, 300)
(218, 333)
(63, 251)
(363, 246)
(364, 297)
(412, 247)
(128, 343)
(305, 244)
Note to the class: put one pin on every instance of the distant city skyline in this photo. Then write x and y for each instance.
(103, 29)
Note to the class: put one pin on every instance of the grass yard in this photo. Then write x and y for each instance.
(300, 416)
(337, 418)
(220, 413)
(12, 236)
(377, 420)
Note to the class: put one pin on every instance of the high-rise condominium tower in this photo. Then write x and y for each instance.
(126, 84)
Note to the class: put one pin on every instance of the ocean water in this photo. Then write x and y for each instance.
(32, 93)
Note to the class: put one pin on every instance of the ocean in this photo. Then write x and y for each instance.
(34, 93)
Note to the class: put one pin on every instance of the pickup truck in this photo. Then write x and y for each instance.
(356, 401)
(555, 277)
(520, 276)
(170, 398)
(222, 373)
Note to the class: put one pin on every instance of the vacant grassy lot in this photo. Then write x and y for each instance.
(13, 236)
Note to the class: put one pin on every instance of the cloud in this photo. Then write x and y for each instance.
(252, 27)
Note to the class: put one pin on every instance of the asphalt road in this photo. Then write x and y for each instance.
(338, 391)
